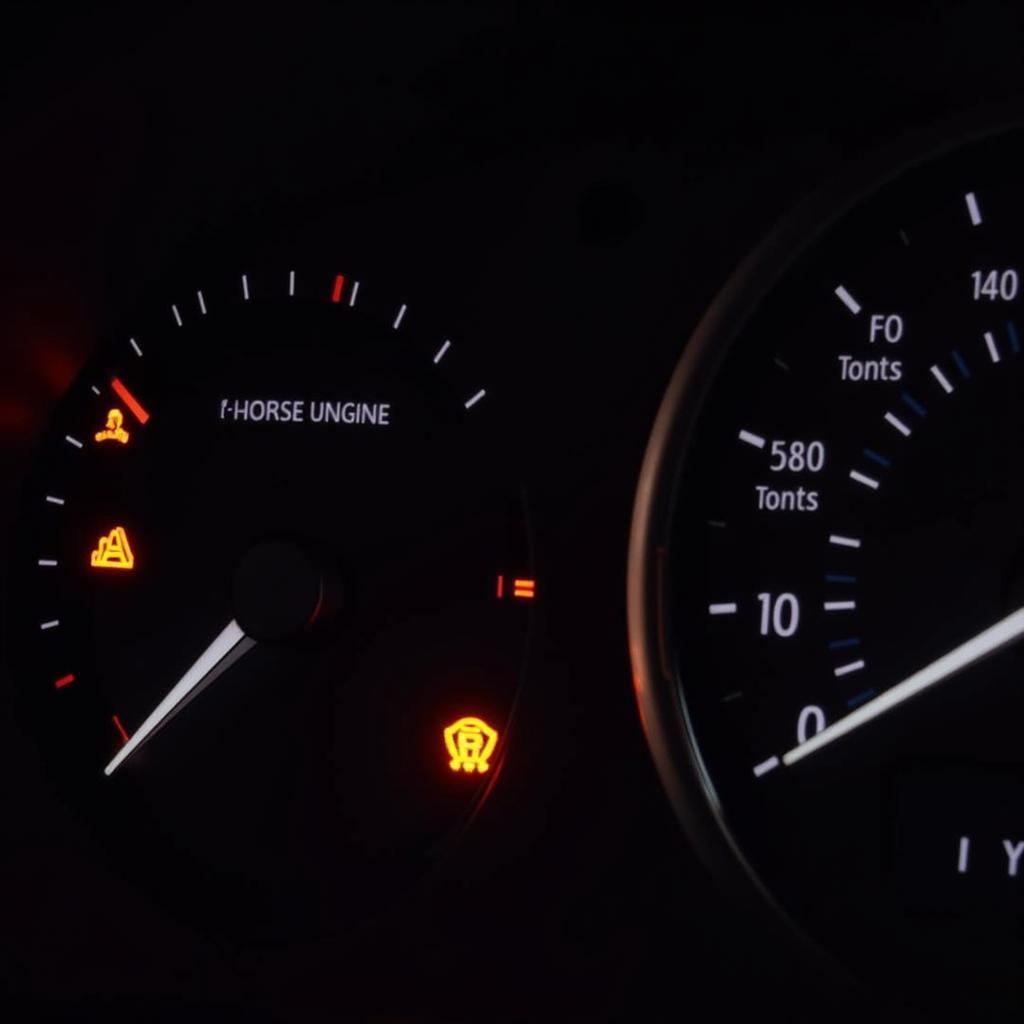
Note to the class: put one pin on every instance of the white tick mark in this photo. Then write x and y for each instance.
(897, 424)
(972, 208)
(843, 542)
(845, 670)
(990, 344)
(848, 300)
(860, 478)
(726, 608)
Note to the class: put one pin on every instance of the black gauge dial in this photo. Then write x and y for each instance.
(827, 592)
(275, 585)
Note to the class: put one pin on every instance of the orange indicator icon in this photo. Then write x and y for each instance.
(113, 551)
(470, 743)
(114, 430)
(525, 590)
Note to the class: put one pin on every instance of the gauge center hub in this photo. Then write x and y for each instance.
(280, 591)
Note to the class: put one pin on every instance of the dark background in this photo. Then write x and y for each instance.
(570, 190)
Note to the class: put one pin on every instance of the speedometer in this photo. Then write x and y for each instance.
(827, 570)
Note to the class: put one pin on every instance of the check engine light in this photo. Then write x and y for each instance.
(470, 743)
(113, 551)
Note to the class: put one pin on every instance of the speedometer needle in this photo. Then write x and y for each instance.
(230, 644)
(987, 642)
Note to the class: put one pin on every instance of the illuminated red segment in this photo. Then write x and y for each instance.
(130, 400)
(121, 729)
(501, 587)
(64, 681)
(339, 285)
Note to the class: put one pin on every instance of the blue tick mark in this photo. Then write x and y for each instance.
(1011, 330)
(914, 404)
(961, 365)
(860, 698)
(842, 645)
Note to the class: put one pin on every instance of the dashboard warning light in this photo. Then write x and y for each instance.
(470, 742)
(113, 551)
(524, 590)
(114, 430)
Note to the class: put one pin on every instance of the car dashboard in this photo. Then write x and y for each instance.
(486, 491)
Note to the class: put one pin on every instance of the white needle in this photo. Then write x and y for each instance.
(987, 642)
(225, 650)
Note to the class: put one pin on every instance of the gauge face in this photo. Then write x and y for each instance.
(275, 589)
(828, 570)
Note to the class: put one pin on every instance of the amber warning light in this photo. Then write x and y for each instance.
(523, 590)
(114, 430)
(113, 551)
(470, 743)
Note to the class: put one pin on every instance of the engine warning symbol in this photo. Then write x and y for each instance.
(114, 430)
(470, 742)
(113, 551)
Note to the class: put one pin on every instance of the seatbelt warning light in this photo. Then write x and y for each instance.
(470, 743)
(113, 551)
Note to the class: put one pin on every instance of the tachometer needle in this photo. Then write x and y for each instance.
(987, 642)
(225, 650)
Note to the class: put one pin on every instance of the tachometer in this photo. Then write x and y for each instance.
(274, 587)
(827, 597)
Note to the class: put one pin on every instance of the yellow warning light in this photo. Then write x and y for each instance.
(470, 742)
(113, 551)
(114, 430)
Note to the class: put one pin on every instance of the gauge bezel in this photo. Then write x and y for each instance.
(658, 684)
